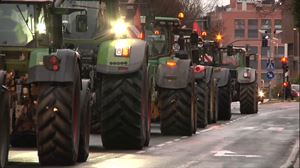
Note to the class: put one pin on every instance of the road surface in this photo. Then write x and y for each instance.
(263, 140)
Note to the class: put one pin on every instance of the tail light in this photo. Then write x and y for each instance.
(171, 63)
(199, 69)
(246, 74)
(142, 36)
(51, 62)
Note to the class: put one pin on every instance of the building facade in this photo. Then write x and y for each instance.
(243, 23)
(291, 37)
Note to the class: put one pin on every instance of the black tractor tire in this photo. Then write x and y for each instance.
(175, 106)
(202, 104)
(84, 138)
(95, 118)
(4, 128)
(224, 102)
(58, 123)
(212, 103)
(248, 98)
(124, 107)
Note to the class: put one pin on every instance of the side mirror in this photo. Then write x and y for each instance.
(229, 50)
(81, 23)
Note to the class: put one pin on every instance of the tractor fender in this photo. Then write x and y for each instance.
(109, 63)
(240, 73)
(176, 77)
(222, 76)
(2, 78)
(69, 59)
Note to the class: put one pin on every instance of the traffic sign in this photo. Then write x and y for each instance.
(270, 65)
(270, 75)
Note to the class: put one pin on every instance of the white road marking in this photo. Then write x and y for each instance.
(275, 129)
(160, 145)
(176, 140)
(249, 128)
(169, 142)
(227, 153)
(140, 152)
(184, 137)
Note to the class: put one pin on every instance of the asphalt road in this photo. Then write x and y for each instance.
(263, 140)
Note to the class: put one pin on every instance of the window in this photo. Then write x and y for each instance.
(278, 24)
(280, 51)
(239, 31)
(266, 24)
(252, 28)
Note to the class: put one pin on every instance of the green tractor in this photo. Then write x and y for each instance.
(236, 81)
(172, 79)
(45, 102)
(117, 57)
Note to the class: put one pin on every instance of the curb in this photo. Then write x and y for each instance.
(294, 156)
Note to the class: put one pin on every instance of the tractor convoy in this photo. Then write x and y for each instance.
(62, 62)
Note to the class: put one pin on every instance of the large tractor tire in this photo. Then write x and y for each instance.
(224, 102)
(4, 128)
(124, 110)
(85, 108)
(212, 103)
(177, 113)
(96, 114)
(248, 98)
(58, 123)
(201, 104)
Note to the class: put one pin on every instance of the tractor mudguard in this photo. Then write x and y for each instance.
(2, 78)
(174, 77)
(38, 72)
(206, 75)
(251, 75)
(108, 61)
(222, 75)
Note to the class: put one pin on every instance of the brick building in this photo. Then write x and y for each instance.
(291, 36)
(243, 23)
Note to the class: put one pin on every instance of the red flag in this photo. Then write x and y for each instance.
(197, 28)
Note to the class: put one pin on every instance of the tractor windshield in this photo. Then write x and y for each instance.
(19, 23)
(158, 42)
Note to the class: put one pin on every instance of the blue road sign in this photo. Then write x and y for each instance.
(270, 75)
(270, 65)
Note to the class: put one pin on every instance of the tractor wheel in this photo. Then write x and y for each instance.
(224, 102)
(58, 124)
(84, 138)
(124, 109)
(212, 102)
(202, 105)
(4, 128)
(248, 98)
(96, 114)
(175, 106)
(215, 103)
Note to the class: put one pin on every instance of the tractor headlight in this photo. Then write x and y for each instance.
(41, 28)
(119, 28)
(261, 93)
